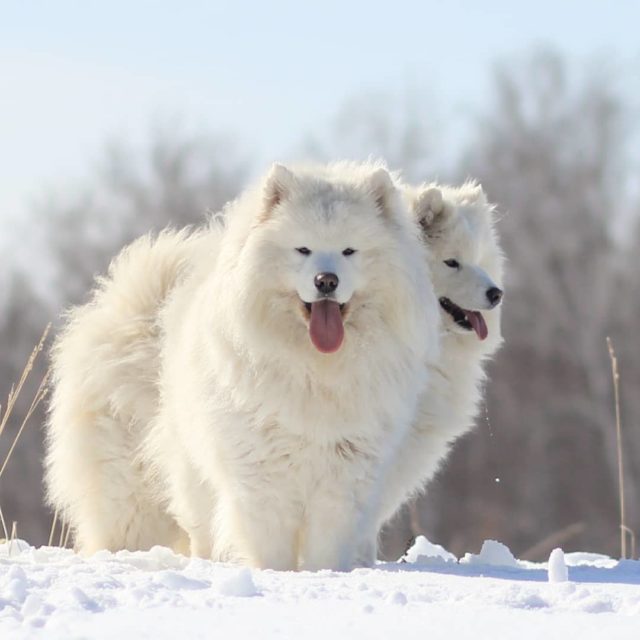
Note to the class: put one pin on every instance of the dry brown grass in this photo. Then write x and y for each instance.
(65, 532)
(625, 531)
(5, 414)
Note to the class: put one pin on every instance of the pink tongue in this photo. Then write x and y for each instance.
(326, 329)
(477, 322)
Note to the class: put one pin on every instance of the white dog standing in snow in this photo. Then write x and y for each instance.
(251, 383)
(466, 264)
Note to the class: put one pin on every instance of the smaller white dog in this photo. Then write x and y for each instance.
(466, 263)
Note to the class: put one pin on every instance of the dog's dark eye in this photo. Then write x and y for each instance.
(304, 251)
(454, 264)
(348, 251)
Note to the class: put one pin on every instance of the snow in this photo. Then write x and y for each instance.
(557, 567)
(240, 584)
(54, 594)
(425, 552)
(494, 554)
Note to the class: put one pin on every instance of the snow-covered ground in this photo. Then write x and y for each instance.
(52, 593)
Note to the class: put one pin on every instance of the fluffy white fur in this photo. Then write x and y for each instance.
(189, 390)
(457, 224)
(105, 367)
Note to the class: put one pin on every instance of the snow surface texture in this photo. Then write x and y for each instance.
(52, 593)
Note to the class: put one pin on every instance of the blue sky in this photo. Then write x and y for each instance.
(73, 74)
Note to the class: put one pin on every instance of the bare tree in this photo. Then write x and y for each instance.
(173, 181)
(401, 131)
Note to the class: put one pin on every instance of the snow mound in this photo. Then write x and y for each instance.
(557, 569)
(155, 559)
(424, 552)
(583, 558)
(13, 548)
(493, 554)
(240, 584)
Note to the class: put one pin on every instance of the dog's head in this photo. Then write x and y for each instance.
(465, 260)
(332, 257)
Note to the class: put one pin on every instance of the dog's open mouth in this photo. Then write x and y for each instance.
(326, 326)
(465, 318)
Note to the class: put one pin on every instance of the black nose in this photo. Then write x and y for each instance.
(494, 295)
(326, 283)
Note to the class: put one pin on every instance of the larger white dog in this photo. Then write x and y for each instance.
(466, 262)
(251, 383)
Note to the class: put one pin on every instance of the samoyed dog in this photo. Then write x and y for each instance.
(249, 384)
(466, 265)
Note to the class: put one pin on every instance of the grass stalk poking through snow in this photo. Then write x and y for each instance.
(624, 530)
(54, 522)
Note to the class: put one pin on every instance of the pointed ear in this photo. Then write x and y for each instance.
(428, 206)
(277, 187)
(471, 195)
(381, 186)
(472, 192)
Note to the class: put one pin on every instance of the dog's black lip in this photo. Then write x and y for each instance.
(307, 305)
(458, 314)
